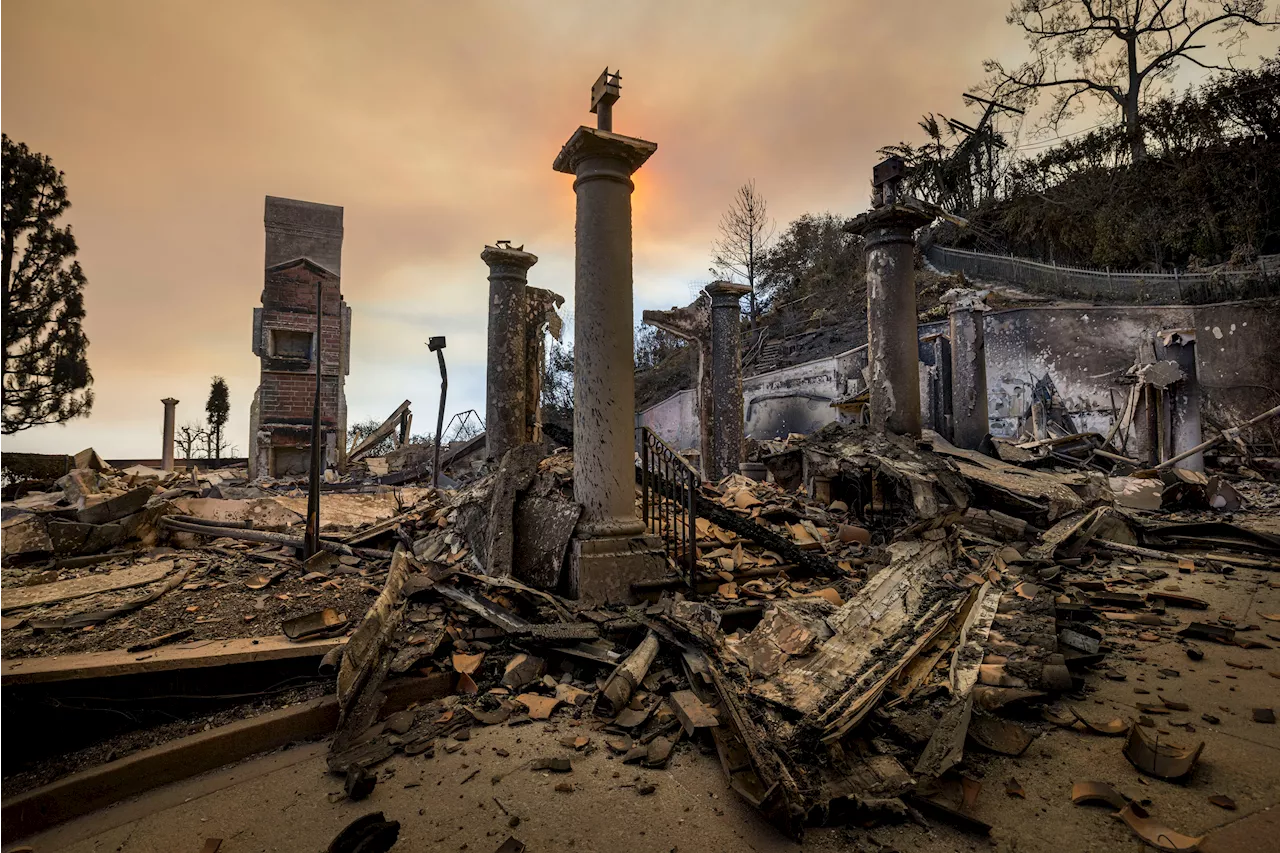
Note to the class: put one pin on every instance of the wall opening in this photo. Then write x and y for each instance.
(290, 461)
(286, 343)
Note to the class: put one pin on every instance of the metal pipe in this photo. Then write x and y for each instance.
(692, 531)
(1233, 433)
(437, 345)
(311, 542)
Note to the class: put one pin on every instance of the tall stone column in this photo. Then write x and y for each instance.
(609, 552)
(969, 424)
(505, 382)
(725, 454)
(893, 353)
(603, 340)
(170, 416)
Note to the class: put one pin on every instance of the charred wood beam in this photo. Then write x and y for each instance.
(188, 525)
(387, 427)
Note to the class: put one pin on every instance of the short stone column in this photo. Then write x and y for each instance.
(505, 379)
(170, 417)
(893, 349)
(969, 424)
(725, 454)
(609, 550)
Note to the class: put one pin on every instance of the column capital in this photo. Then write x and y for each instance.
(504, 260)
(589, 142)
(169, 401)
(890, 223)
(726, 292)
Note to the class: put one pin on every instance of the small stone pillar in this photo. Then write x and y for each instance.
(969, 424)
(892, 340)
(609, 550)
(170, 417)
(725, 454)
(505, 381)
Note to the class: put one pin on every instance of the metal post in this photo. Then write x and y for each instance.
(311, 543)
(644, 477)
(671, 498)
(436, 345)
(691, 532)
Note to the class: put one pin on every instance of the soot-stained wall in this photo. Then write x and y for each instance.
(1083, 350)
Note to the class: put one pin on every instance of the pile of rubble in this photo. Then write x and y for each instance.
(106, 559)
(932, 602)
(846, 647)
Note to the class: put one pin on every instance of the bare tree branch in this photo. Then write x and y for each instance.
(1116, 49)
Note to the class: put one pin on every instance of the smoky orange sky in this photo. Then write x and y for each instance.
(434, 125)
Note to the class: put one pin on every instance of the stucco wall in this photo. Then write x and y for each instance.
(793, 399)
(675, 419)
(1238, 359)
(1083, 350)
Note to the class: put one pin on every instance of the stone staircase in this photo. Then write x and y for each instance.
(769, 358)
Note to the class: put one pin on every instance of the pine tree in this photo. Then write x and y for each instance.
(217, 410)
(46, 374)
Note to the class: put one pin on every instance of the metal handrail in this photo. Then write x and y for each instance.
(668, 487)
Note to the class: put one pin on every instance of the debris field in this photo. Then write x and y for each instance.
(853, 653)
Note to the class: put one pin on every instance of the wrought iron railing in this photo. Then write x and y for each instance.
(668, 485)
